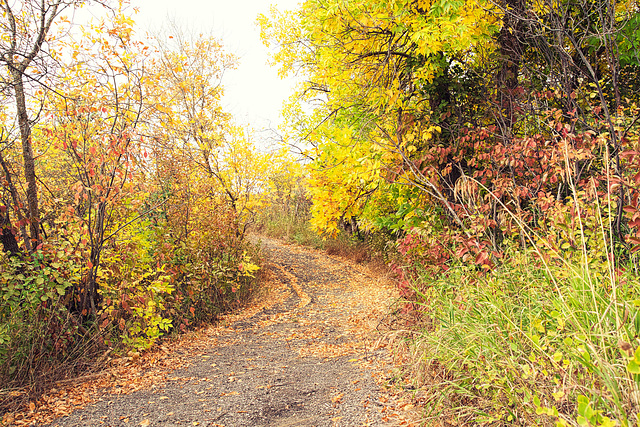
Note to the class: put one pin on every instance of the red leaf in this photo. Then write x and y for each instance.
(482, 258)
(634, 223)
(634, 240)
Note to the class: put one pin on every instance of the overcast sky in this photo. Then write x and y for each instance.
(253, 92)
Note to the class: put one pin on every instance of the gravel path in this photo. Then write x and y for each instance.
(308, 360)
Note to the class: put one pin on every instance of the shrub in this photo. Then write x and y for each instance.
(40, 339)
(530, 342)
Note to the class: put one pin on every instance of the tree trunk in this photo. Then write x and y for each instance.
(16, 203)
(27, 156)
(7, 236)
(510, 48)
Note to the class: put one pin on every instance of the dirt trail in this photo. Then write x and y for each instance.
(310, 359)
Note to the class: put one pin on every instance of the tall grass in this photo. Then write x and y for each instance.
(41, 345)
(526, 344)
(549, 336)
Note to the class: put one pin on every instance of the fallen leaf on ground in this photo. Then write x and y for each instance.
(233, 393)
(337, 399)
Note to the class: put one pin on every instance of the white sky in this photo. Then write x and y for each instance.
(253, 92)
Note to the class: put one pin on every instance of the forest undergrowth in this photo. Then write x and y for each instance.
(486, 151)
(44, 341)
(492, 148)
(544, 337)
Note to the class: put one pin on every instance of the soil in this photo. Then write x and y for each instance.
(309, 354)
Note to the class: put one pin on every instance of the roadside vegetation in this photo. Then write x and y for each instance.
(126, 191)
(494, 146)
(486, 151)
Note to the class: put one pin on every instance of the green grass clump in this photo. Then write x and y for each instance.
(530, 343)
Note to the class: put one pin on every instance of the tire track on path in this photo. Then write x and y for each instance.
(309, 359)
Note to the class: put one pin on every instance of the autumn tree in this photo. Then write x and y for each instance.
(471, 105)
(192, 121)
(142, 187)
(94, 125)
(189, 118)
(374, 65)
(24, 52)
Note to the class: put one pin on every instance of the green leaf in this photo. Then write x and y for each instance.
(589, 412)
(585, 354)
(633, 367)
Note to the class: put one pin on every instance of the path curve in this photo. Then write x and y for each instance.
(310, 359)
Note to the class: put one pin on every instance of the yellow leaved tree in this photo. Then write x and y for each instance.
(369, 66)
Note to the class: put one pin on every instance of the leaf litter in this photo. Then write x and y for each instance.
(307, 353)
